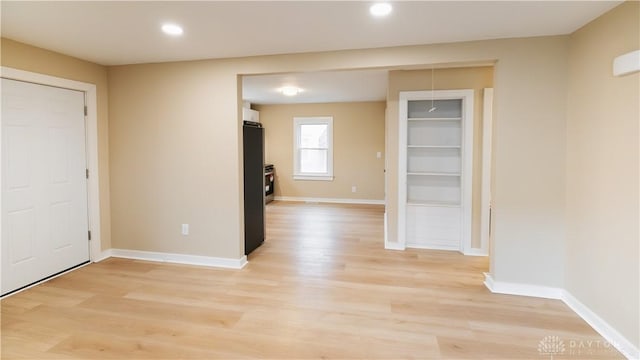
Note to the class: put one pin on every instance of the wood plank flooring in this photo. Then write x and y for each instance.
(321, 286)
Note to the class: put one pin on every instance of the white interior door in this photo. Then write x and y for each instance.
(44, 186)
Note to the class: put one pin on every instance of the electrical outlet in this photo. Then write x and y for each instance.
(354, 188)
(185, 229)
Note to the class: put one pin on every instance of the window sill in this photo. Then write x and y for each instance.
(313, 177)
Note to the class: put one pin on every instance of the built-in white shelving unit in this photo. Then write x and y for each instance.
(436, 142)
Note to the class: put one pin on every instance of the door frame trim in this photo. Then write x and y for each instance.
(486, 201)
(91, 139)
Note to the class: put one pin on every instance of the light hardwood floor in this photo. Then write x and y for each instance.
(321, 286)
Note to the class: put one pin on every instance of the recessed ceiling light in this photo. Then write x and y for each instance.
(172, 29)
(290, 90)
(380, 9)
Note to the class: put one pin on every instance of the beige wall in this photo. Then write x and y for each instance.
(358, 133)
(175, 150)
(476, 78)
(602, 266)
(175, 140)
(25, 57)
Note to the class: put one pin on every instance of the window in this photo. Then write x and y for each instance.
(313, 148)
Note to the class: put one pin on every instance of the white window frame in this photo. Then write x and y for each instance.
(316, 120)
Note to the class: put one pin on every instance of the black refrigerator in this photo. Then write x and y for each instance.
(253, 144)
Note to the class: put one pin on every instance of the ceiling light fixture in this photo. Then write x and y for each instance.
(172, 29)
(380, 9)
(290, 90)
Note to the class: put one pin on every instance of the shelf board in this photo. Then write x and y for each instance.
(434, 146)
(432, 174)
(433, 203)
(435, 119)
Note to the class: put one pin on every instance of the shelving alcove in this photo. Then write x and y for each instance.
(435, 169)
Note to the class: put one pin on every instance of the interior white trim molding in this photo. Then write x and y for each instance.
(508, 288)
(91, 101)
(298, 123)
(607, 331)
(210, 261)
(485, 194)
(330, 200)
(409, 245)
(393, 246)
(476, 252)
(103, 255)
(603, 328)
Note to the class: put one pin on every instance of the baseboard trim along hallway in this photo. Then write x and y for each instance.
(210, 261)
(330, 200)
(607, 331)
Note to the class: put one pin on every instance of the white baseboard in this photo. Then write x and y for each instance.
(434, 247)
(602, 327)
(177, 258)
(488, 282)
(476, 252)
(607, 331)
(103, 255)
(330, 200)
(508, 288)
(393, 246)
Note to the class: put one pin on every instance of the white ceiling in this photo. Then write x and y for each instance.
(125, 32)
